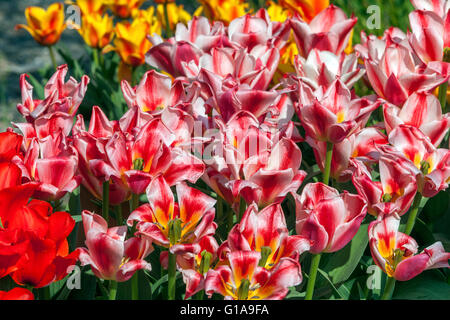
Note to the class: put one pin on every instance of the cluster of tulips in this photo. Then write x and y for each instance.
(211, 140)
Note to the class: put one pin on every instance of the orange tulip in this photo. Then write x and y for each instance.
(89, 7)
(46, 26)
(124, 8)
(307, 9)
(97, 31)
(131, 42)
(224, 10)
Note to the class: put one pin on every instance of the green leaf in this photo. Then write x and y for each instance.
(342, 263)
(426, 286)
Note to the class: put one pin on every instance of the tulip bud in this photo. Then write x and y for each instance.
(174, 231)
(242, 293)
(206, 261)
(265, 253)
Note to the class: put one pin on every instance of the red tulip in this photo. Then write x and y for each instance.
(167, 223)
(394, 192)
(431, 29)
(421, 110)
(17, 294)
(111, 256)
(431, 166)
(329, 219)
(243, 279)
(321, 68)
(265, 232)
(336, 115)
(395, 252)
(330, 31)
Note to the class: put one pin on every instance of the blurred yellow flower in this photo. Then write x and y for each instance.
(149, 16)
(224, 10)
(97, 31)
(131, 42)
(88, 7)
(176, 14)
(46, 26)
(124, 8)
(307, 9)
(277, 12)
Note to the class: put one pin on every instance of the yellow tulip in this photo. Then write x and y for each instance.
(148, 16)
(124, 8)
(277, 12)
(46, 26)
(97, 31)
(89, 7)
(307, 9)
(224, 10)
(131, 42)
(176, 14)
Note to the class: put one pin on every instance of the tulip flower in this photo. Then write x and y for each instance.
(395, 75)
(59, 96)
(421, 110)
(96, 30)
(330, 31)
(89, 7)
(45, 26)
(154, 93)
(245, 161)
(194, 261)
(337, 115)
(329, 219)
(321, 68)
(17, 294)
(307, 9)
(395, 252)
(223, 10)
(10, 144)
(46, 257)
(395, 191)
(431, 166)
(167, 223)
(440, 7)
(131, 42)
(243, 279)
(124, 8)
(428, 27)
(362, 146)
(53, 164)
(265, 232)
(110, 256)
(12, 249)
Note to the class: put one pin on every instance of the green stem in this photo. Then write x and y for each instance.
(105, 203)
(171, 273)
(95, 54)
(230, 219)
(119, 214)
(312, 276)
(112, 290)
(166, 17)
(242, 208)
(388, 289)
(52, 56)
(134, 202)
(327, 169)
(135, 286)
(413, 213)
(443, 96)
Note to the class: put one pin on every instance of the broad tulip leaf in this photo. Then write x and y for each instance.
(426, 286)
(343, 262)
